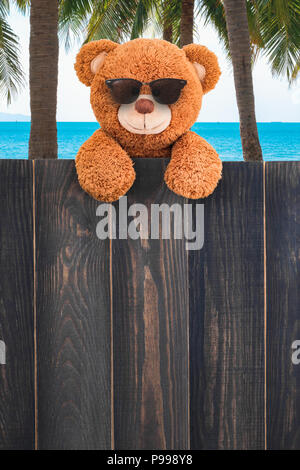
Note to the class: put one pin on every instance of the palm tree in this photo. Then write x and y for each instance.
(239, 44)
(186, 22)
(11, 74)
(43, 65)
(45, 18)
(274, 28)
(43, 72)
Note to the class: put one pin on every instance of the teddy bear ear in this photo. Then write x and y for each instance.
(205, 63)
(91, 57)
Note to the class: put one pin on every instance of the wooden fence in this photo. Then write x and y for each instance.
(141, 344)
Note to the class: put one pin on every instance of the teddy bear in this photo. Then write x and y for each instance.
(146, 94)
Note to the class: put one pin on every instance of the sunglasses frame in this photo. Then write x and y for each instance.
(109, 83)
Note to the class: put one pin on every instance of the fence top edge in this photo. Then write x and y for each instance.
(66, 162)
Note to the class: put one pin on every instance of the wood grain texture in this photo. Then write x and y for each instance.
(16, 306)
(226, 281)
(187, 349)
(283, 321)
(73, 314)
(150, 323)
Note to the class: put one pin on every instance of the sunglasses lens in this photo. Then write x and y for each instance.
(124, 90)
(167, 90)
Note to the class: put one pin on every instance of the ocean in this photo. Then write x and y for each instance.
(280, 141)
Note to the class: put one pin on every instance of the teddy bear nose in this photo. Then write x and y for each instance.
(144, 106)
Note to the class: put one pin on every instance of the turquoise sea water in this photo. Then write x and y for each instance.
(280, 141)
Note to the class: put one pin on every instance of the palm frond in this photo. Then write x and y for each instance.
(141, 18)
(172, 15)
(4, 8)
(111, 19)
(67, 8)
(279, 23)
(296, 72)
(11, 75)
(164, 13)
(23, 5)
(73, 19)
(212, 12)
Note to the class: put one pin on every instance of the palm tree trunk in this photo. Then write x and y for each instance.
(167, 25)
(187, 22)
(239, 44)
(43, 72)
(168, 32)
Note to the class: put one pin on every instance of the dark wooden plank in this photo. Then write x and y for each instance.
(150, 324)
(16, 306)
(73, 314)
(283, 324)
(226, 280)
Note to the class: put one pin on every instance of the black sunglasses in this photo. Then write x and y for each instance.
(127, 90)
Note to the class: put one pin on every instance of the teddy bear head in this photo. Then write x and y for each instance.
(159, 96)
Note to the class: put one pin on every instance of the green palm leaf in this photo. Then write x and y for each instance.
(73, 19)
(111, 19)
(4, 8)
(141, 18)
(23, 5)
(279, 23)
(11, 75)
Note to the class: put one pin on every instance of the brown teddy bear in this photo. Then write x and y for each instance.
(146, 94)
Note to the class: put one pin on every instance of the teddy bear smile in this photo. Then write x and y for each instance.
(144, 116)
(146, 130)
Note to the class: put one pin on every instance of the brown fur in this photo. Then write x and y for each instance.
(103, 163)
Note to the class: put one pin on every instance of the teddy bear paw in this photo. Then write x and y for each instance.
(107, 187)
(191, 183)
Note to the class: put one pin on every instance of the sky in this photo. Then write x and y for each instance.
(275, 100)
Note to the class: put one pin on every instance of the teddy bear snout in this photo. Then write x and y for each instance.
(144, 106)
